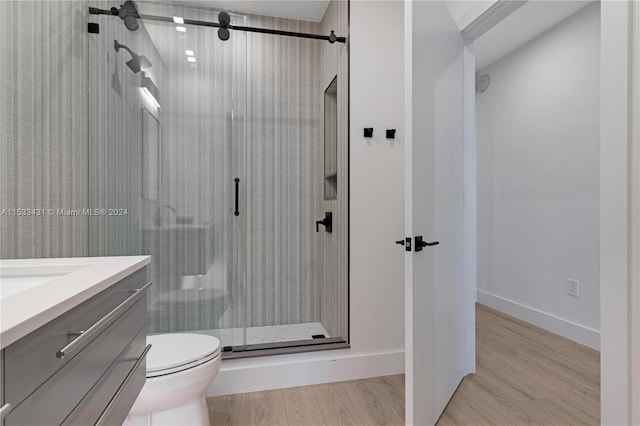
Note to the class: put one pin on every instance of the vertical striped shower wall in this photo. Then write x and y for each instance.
(293, 273)
(332, 275)
(43, 127)
(283, 123)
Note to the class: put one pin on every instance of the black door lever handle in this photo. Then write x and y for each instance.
(420, 243)
(406, 243)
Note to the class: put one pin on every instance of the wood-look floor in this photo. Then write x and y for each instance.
(525, 376)
(375, 401)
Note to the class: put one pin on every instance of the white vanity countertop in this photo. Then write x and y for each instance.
(35, 291)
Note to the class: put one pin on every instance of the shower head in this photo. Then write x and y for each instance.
(137, 62)
(128, 12)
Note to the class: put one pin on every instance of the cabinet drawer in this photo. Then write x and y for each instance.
(52, 402)
(30, 361)
(117, 389)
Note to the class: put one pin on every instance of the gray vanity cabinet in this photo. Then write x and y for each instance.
(85, 367)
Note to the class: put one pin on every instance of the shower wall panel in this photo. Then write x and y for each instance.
(283, 130)
(43, 128)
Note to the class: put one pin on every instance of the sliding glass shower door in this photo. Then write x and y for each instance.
(167, 143)
(216, 150)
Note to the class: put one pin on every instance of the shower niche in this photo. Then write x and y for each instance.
(225, 174)
(331, 140)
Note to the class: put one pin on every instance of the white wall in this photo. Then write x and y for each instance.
(538, 180)
(376, 221)
(377, 176)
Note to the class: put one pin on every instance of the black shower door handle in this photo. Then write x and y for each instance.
(237, 181)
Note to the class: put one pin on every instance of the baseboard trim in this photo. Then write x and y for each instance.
(565, 328)
(277, 372)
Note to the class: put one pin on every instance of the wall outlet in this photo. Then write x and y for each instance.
(573, 287)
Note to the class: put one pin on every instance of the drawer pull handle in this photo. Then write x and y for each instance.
(101, 324)
(6, 408)
(107, 411)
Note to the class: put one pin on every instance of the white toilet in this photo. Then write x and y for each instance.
(180, 368)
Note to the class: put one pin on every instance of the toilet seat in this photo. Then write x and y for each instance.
(175, 352)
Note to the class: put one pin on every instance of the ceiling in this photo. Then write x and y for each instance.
(530, 20)
(304, 10)
(465, 12)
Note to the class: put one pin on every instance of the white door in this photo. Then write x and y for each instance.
(434, 210)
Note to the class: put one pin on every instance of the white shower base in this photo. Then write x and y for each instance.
(267, 334)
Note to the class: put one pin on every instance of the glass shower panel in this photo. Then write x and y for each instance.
(167, 141)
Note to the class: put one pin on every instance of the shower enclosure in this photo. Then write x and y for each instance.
(214, 156)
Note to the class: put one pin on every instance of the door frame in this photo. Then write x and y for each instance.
(619, 200)
(634, 222)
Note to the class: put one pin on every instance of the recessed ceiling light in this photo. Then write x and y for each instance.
(189, 52)
(181, 29)
(178, 20)
(191, 59)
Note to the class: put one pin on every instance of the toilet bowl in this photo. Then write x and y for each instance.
(180, 368)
